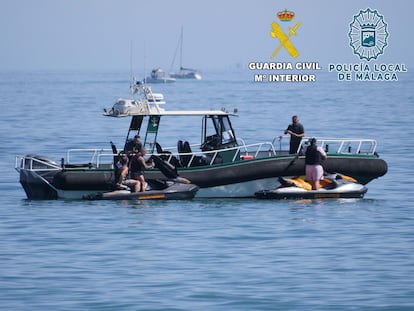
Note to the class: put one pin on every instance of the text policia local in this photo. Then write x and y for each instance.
(367, 72)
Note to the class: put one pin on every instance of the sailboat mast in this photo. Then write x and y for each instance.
(181, 49)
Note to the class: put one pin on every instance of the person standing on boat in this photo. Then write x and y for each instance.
(296, 132)
(314, 155)
(137, 167)
(133, 146)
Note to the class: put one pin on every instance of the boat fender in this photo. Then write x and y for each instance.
(247, 157)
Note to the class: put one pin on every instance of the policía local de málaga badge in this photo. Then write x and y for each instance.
(368, 34)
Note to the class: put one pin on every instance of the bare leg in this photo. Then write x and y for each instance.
(143, 183)
(315, 184)
(123, 174)
(136, 186)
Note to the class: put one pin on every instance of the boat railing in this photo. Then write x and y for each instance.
(103, 158)
(343, 146)
(92, 156)
(33, 163)
(75, 158)
(233, 154)
(281, 143)
(256, 149)
(350, 146)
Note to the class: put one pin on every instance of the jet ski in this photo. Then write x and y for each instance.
(332, 186)
(173, 187)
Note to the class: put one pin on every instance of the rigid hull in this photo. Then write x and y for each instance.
(239, 179)
(362, 169)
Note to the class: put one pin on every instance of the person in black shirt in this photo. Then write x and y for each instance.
(137, 167)
(296, 132)
(133, 146)
(314, 155)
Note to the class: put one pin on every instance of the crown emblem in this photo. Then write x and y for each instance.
(368, 26)
(285, 16)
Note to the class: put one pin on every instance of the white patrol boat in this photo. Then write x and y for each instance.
(221, 165)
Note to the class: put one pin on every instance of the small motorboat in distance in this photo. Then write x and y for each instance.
(332, 186)
(158, 75)
(172, 188)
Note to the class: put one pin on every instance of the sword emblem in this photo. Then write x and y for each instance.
(277, 32)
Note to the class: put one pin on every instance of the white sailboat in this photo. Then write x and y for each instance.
(184, 73)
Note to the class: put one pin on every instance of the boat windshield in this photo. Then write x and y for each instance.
(218, 133)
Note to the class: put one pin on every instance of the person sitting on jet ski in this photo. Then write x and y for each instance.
(137, 181)
(122, 166)
(314, 155)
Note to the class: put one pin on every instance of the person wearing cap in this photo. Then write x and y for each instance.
(133, 146)
(314, 155)
(296, 132)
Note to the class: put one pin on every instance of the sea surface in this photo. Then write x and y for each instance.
(207, 254)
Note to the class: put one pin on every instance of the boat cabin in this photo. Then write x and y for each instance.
(146, 113)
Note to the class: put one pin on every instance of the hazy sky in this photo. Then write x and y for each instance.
(98, 34)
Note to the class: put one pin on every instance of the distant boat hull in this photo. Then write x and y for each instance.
(187, 75)
(159, 80)
(158, 75)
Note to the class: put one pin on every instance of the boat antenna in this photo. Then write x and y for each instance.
(130, 68)
(130, 58)
(145, 62)
(181, 48)
(179, 43)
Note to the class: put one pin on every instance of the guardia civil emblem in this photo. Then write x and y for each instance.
(368, 34)
(284, 39)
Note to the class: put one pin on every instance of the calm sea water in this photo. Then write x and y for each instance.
(206, 254)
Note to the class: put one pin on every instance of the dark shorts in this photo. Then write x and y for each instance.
(135, 175)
